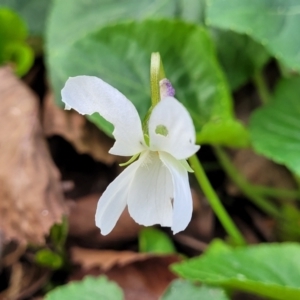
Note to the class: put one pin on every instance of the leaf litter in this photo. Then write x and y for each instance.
(30, 191)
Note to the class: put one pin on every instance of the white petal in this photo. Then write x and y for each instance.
(89, 94)
(183, 203)
(151, 193)
(180, 138)
(113, 201)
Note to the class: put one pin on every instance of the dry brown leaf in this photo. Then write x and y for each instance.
(82, 225)
(75, 128)
(259, 170)
(144, 279)
(31, 199)
(104, 259)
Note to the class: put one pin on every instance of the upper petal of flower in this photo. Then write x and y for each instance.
(171, 129)
(89, 94)
(151, 193)
(183, 203)
(113, 201)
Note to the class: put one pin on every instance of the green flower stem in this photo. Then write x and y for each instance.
(276, 193)
(297, 180)
(244, 186)
(157, 73)
(262, 190)
(215, 202)
(261, 86)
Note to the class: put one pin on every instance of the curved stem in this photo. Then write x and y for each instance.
(297, 180)
(242, 183)
(274, 192)
(261, 86)
(215, 202)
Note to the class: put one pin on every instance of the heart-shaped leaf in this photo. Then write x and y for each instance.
(270, 270)
(152, 240)
(180, 289)
(275, 128)
(90, 288)
(239, 55)
(120, 55)
(275, 24)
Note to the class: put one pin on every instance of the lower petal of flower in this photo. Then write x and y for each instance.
(183, 203)
(150, 196)
(113, 201)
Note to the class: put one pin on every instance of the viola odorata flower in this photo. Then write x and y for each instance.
(155, 187)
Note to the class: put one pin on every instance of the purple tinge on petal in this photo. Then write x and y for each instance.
(166, 89)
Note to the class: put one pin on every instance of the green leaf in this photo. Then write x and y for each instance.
(49, 259)
(152, 240)
(18, 32)
(120, 55)
(275, 24)
(59, 232)
(90, 288)
(218, 246)
(181, 290)
(275, 128)
(239, 55)
(34, 13)
(270, 270)
(67, 23)
(226, 132)
(289, 230)
(13, 47)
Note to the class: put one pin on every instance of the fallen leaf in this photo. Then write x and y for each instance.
(76, 129)
(105, 259)
(144, 279)
(30, 192)
(83, 229)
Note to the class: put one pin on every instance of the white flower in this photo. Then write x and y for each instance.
(155, 187)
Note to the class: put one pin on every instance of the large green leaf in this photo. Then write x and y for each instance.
(68, 23)
(275, 128)
(90, 288)
(152, 240)
(274, 23)
(270, 270)
(120, 55)
(34, 13)
(239, 55)
(184, 290)
(13, 47)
